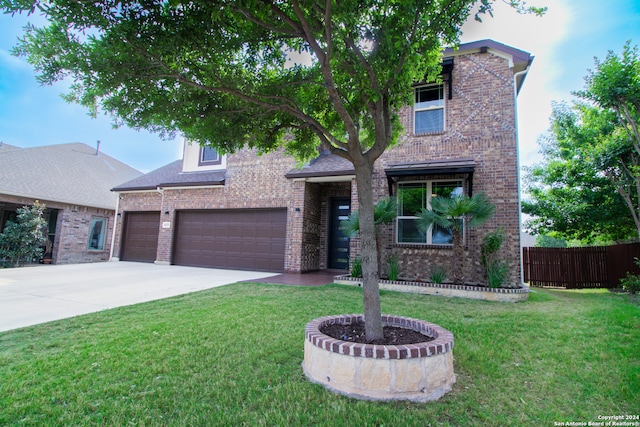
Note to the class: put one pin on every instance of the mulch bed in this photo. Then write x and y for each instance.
(393, 335)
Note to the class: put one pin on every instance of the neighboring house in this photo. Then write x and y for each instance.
(246, 211)
(73, 181)
(527, 240)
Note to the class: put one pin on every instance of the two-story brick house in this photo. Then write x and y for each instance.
(261, 212)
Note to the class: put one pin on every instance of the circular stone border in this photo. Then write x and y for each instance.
(416, 372)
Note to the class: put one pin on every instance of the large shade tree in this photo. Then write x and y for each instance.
(569, 193)
(588, 187)
(266, 74)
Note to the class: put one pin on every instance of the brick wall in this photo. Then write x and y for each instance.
(480, 123)
(72, 230)
(312, 248)
(252, 181)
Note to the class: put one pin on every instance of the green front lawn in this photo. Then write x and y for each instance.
(231, 356)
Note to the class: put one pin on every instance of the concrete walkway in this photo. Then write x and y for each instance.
(38, 294)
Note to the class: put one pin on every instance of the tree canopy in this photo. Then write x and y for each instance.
(266, 74)
(587, 188)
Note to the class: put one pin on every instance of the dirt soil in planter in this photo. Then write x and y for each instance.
(393, 335)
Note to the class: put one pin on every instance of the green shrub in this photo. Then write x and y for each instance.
(22, 240)
(394, 267)
(496, 273)
(495, 269)
(438, 274)
(356, 267)
(545, 241)
(631, 283)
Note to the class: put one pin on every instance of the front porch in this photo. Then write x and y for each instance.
(315, 278)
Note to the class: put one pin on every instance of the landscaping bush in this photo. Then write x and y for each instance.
(631, 283)
(495, 269)
(356, 267)
(23, 240)
(394, 267)
(438, 274)
(496, 273)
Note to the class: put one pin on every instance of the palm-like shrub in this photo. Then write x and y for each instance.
(384, 212)
(456, 214)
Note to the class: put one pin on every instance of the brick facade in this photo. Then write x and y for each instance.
(252, 181)
(480, 124)
(71, 243)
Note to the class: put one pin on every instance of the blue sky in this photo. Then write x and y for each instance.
(564, 43)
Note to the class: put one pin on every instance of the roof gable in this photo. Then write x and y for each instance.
(519, 60)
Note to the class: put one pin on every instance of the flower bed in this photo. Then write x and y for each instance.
(447, 290)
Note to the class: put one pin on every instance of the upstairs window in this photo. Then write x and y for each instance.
(429, 109)
(412, 198)
(209, 156)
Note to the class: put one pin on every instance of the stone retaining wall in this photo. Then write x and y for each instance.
(417, 372)
(447, 290)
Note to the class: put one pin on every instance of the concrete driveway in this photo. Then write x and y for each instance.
(38, 294)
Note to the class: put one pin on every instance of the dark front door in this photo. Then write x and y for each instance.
(338, 242)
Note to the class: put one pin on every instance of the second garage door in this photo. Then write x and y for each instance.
(140, 237)
(249, 239)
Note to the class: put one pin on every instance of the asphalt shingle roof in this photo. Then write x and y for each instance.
(4, 147)
(171, 175)
(326, 164)
(67, 173)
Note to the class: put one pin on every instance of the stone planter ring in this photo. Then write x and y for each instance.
(416, 372)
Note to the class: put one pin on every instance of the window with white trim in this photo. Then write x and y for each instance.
(209, 156)
(415, 196)
(97, 232)
(428, 110)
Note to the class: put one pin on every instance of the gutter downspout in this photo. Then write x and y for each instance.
(115, 223)
(515, 106)
(161, 191)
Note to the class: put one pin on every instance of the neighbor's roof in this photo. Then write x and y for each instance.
(67, 173)
(4, 147)
(171, 175)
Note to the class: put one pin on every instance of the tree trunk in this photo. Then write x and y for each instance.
(372, 312)
(379, 251)
(634, 214)
(458, 255)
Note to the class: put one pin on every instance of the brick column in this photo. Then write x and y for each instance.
(295, 224)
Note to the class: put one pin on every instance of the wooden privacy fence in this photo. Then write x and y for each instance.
(578, 268)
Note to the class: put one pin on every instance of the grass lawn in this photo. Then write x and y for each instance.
(231, 356)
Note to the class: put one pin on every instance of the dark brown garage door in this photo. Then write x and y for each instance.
(140, 239)
(250, 239)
